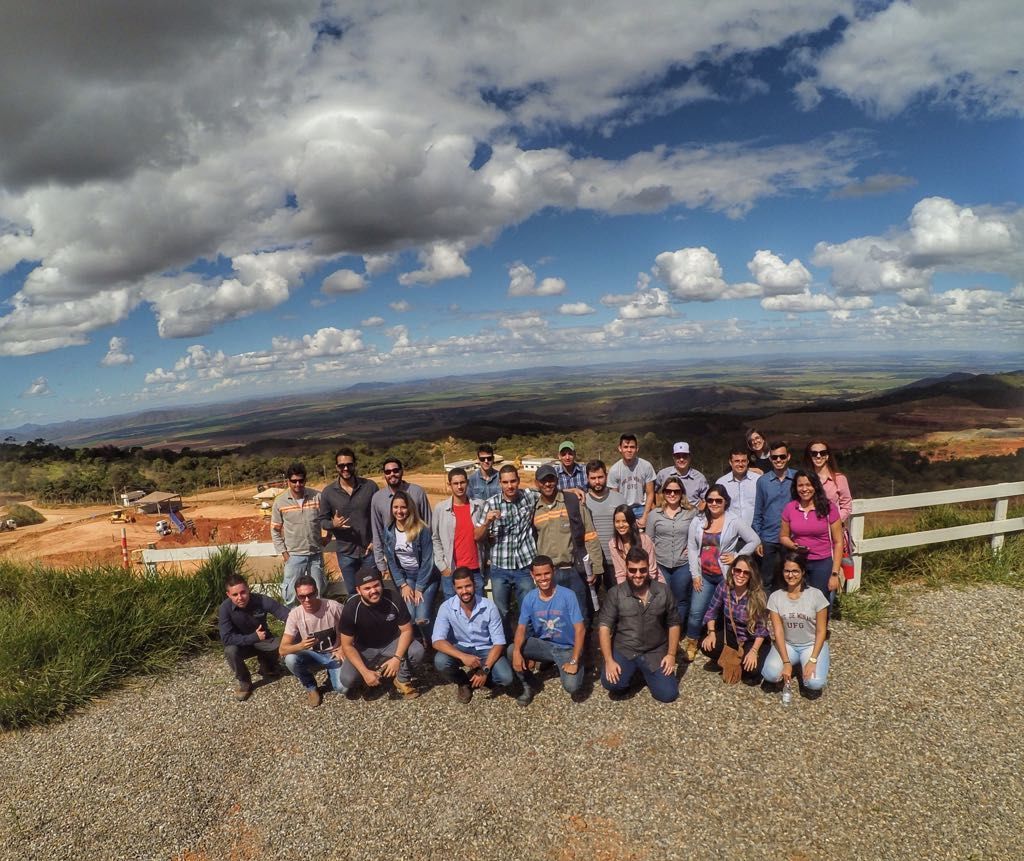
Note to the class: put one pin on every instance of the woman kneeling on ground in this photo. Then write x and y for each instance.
(738, 617)
(799, 617)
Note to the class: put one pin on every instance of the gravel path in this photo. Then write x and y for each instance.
(914, 751)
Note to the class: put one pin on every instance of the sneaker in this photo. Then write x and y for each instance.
(464, 693)
(243, 692)
(406, 689)
(526, 696)
(314, 698)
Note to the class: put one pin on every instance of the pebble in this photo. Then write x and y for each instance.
(913, 751)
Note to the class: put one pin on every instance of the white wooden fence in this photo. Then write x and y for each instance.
(997, 527)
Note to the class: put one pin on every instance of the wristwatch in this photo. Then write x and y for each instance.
(813, 660)
(486, 670)
(572, 661)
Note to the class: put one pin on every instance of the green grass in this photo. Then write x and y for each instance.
(68, 635)
(960, 564)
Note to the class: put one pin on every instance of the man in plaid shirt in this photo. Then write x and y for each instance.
(506, 520)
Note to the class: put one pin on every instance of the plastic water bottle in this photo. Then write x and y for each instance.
(787, 693)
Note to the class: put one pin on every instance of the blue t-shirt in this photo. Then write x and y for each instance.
(551, 620)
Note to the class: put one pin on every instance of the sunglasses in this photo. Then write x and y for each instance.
(637, 570)
(778, 457)
(395, 471)
(819, 452)
(345, 465)
(296, 481)
(744, 571)
(711, 500)
(673, 490)
(309, 596)
(486, 459)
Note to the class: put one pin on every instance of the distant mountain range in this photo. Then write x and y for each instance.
(541, 400)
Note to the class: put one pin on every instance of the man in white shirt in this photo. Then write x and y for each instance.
(741, 485)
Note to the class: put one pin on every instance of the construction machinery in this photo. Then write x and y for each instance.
(122, 515)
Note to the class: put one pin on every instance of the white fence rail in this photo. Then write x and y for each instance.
(997, 527)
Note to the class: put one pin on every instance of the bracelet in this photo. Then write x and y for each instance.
(400, 657)
(785, 663)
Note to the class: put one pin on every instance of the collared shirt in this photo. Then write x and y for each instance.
(483, 488)
(295, 523)
(480, 630)
(576, 478)
(694, 483)
(770, 498)
(512, 543)
(380, 515)
(638, 628)
(741, 494)
(352, 540)
(669, 535)
(554, 533)
(444, 532)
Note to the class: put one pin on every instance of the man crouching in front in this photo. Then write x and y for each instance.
(377, 637)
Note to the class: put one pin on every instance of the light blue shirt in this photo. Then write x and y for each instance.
(481, 630)
(741, 493)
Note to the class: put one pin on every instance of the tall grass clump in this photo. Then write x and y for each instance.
(68, 635)
(24, 515)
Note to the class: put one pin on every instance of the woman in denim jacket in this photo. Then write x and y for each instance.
(409, 550)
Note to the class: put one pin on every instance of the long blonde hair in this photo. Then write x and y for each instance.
(757, 600)
(412, 525)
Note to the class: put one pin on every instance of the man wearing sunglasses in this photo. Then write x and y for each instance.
(345, 516)
(295, 531)
(484, 483)
(773, 492)
(380, 507)
(312, 640)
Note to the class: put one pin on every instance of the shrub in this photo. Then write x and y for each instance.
(68, 635)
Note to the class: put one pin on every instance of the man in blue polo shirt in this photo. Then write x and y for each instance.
(773, 492)
(550, 629)
(469, 640)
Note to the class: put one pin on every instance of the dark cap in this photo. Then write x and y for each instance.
(546, 471)
(368, 572)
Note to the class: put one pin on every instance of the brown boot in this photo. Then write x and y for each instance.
(689, 649)
(406, 689)
(314, 698)
(243, 692)
(464, 693)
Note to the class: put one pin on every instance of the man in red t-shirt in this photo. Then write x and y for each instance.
(452, 525)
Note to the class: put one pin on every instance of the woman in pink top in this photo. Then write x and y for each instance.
(628, 535)
(819, 459)
(811, 525)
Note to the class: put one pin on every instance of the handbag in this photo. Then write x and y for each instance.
(731, 659)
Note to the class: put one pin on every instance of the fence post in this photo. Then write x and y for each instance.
(1002, 507)
(856, 535)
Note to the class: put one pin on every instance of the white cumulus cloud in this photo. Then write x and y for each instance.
(343, 281)
(523, 282)
(575, 309)
(777, 277)
(39, 387)
(117, 353)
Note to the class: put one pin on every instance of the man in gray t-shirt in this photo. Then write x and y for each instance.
(602, 502)
(633, 477)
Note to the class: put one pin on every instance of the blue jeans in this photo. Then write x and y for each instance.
(422, 612)
(663, 688)
(503, 582)
(699, 604)
(448, 585)
(572, 579)
(545, 650)
(297, 565)
(349, 565)
(303, 665)
(638, 511)
(772, 670)
(681, 584)
(818, 572)
(449, 668)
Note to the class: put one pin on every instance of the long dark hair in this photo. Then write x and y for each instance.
(821, 503)
(634, 530)
(830, 461)
(801, 560)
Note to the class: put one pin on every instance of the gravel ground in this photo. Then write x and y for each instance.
(914, 751)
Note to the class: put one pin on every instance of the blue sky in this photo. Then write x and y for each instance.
(216, 201)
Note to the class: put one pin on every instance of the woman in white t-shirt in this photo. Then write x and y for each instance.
(409, 550)
(799, 617)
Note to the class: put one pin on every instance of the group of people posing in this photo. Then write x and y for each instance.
(744, 570)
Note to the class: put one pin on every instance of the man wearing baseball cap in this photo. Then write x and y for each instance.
(694, 481)
(376, 637)
(570, 473)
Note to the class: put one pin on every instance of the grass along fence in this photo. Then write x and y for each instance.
(996, 527)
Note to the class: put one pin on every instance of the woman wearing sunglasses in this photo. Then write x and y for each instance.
(819, 459)
(715, 539)
(669, 528)
(738, 617)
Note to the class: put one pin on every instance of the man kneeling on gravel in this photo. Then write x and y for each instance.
(311, 639)
(377, 637)
(242, 620)
(469, 639)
